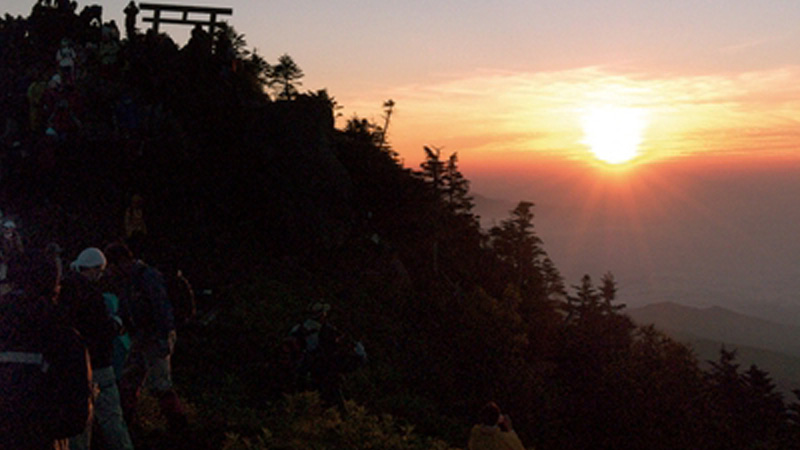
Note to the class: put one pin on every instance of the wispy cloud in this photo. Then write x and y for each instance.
(752, 44)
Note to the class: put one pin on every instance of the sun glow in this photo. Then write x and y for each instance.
(614, 133)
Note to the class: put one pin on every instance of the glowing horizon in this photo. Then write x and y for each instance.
(491, 113)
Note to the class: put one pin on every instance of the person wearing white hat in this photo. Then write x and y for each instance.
(85, 308)
(90, 263)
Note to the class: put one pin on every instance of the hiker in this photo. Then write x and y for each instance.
(12, 241)
(142, 293)
(494, 431)
(111, 29)
(200, 43)
(11, 247)
(108, 50)
(63, 106)
(135, 226)
(64, 5)
(122, 343)
(309, 331)
(181, 295)
(44, 367)
(44, 152)
(131, 11)
(327, 355)
(85, 309)
(35, 94)
(66, 59)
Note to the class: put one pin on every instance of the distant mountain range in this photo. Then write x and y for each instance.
(772, 347)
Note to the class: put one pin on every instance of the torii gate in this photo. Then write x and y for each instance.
(184, 19)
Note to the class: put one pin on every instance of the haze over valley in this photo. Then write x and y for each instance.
(703, 237)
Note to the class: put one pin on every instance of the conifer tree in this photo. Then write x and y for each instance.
(328, 100)
(433, 169)
(361, 129)
(766, 415)
(388, 109)
(228, 36)
(456, 187)
(284, 77)
(553, 281)
(608, 293)
(516, 244)
(725, 390)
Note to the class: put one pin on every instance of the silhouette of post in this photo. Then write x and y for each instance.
(183, 17)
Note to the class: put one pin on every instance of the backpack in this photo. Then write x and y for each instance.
(147, 308)
(327, 350)
(45, 382)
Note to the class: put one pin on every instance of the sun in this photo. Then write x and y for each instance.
(614, 133)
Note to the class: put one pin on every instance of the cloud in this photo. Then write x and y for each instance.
(752, 44)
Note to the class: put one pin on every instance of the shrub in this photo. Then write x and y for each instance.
(303, 423)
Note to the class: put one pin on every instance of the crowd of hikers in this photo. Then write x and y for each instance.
(72, 83)
(80, 340)
(59, 340)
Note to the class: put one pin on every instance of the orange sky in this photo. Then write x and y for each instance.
(502, 118)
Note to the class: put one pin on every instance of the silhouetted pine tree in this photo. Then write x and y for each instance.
(793, 422)
(456, 188)
(765, 412)
(433, 169)
(284, 78)
(726, 397)
(519, 248)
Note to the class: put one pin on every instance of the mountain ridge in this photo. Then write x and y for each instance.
(769, 345)
(720, 324)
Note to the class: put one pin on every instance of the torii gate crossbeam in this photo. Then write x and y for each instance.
(183, 18)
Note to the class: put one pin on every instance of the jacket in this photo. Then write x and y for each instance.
(85, 309)
(492, 438)
(45, 379)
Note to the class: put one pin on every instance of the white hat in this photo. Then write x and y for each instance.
(90, 257)
(9, 224)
